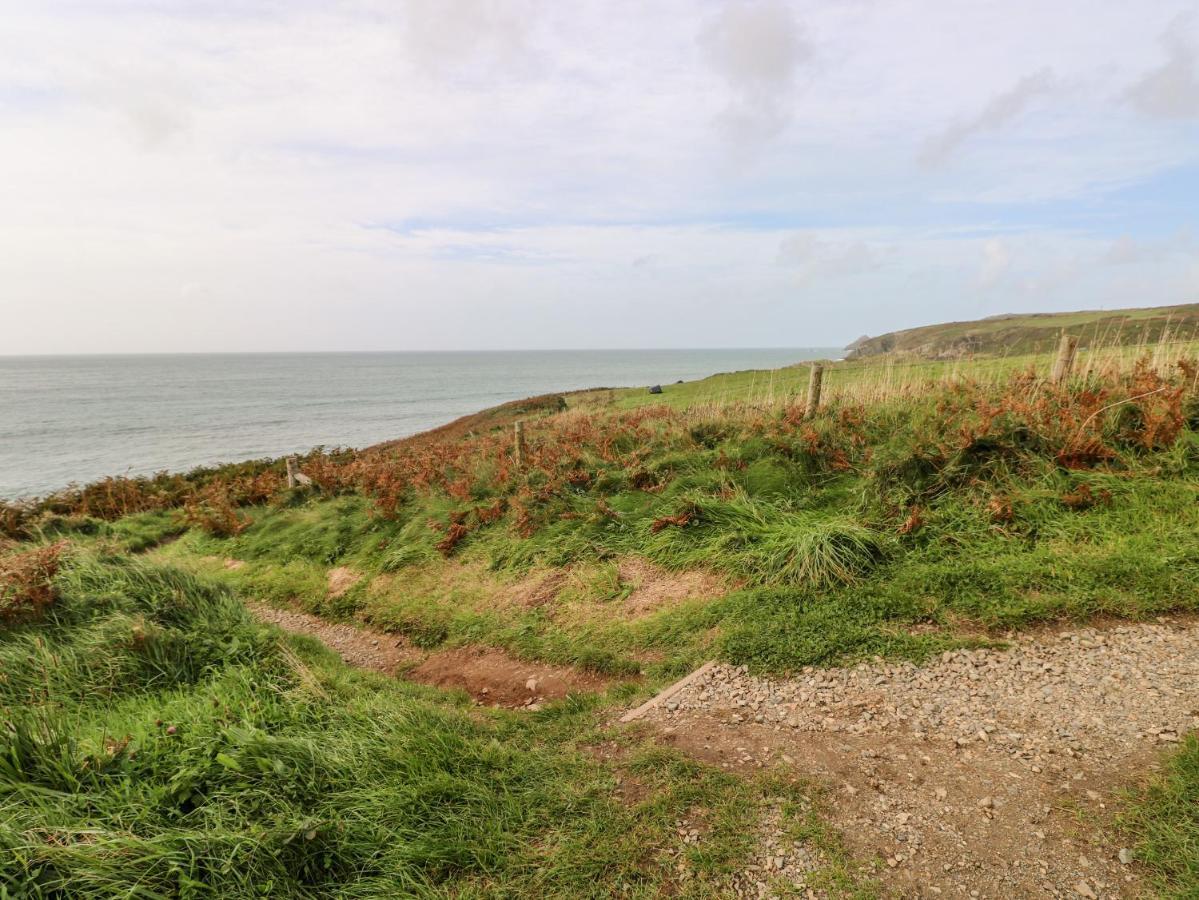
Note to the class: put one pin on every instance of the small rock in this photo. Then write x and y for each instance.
(1084, 890)
(1126, 856)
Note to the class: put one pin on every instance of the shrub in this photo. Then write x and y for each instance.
(27, 581)
(215, 514)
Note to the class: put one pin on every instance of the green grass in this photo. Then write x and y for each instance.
(825, 571)
(156, 742)
(1165, 818)
(897, 528)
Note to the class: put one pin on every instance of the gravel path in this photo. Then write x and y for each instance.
(988, 773)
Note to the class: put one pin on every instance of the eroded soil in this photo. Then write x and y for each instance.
(490, 676)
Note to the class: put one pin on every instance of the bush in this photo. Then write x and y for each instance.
(27, 581)
(215, 514)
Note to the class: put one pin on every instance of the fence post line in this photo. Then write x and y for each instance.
(815, 380)
(291, 472)
(519, 433)
(1064, 364)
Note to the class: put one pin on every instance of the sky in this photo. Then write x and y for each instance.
(289, 175)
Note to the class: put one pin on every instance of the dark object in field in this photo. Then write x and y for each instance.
(656, 389)
(680, 381)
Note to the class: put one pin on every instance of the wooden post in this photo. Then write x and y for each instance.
(291, 471)
(519, 430)
(1064, 363)
(814, 383)
(665, 695)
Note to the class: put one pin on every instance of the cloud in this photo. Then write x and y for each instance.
(1126, 250)
(1001, 110)
(1171, 91)
(481, 173)
(444, 35)
(820, 259)
(756, 46)
(997, 259)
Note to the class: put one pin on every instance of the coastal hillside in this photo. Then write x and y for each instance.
(1033, 333)
(936, 625)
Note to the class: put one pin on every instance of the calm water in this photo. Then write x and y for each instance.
(75, 419)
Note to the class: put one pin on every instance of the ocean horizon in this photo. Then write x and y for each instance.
(77, 418)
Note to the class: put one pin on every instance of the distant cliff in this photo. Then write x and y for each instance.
(1028, 333)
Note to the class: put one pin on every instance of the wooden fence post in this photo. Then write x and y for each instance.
(1064, 364)
(296, 478)
(519, 432)
(815, 380)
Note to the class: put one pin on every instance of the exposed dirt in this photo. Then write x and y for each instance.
(490, 676)
(497, 679)
(650, 587)
(986, 774)
(655, 587)
(342, 579)
(358, 647)
(537, 590)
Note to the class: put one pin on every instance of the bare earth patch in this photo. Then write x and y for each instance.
(536, 590)
(498, 679)
(655, 588)
(358, 647)
(490, 676)
(988, 773)
(341, 580)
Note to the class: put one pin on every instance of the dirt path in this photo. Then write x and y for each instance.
(490, 676)
(985, 774)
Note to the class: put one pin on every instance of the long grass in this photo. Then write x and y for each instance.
(156, 742)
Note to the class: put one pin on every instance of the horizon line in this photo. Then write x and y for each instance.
(382, 352)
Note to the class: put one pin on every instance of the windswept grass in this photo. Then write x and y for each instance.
(156, 742)
(902, 528)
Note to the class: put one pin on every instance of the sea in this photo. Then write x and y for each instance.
(75, 419)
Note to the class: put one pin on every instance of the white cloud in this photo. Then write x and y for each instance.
(997, 259)
(1171, 91)
(998, 112)
(817, 259)
(756, 46)
(492, 172)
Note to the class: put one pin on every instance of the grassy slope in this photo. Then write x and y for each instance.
(825, 567)
(158, 743)
(1039, 332)
(898, 529)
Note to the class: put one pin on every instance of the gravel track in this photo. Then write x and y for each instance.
(986, 773)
